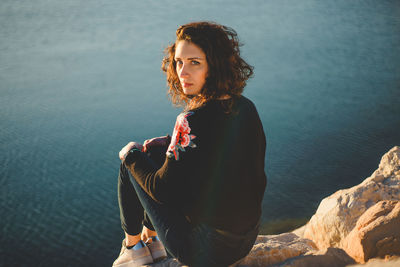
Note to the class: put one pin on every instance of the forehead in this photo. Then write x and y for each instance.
(186, 49)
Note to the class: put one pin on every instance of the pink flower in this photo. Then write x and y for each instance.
(181, 137)
(185, 140)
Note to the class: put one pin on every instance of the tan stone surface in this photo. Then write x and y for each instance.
(273, 249)
(376, 234)
(337, 214)
(391, 262)
(166, 263)
(299, 231)
(331, 257)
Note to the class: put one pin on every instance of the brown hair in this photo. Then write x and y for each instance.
(227, 71)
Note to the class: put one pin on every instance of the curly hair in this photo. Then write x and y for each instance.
(227, 71)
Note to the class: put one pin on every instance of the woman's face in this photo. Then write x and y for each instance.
(191, 67)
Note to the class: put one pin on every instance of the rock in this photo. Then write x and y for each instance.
(299, 231)
(337, 214)
(289, 249)
(391, 262)
(331, 257)
(273, 249)
(377, 233)
(169, 262)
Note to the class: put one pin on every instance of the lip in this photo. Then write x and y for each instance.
(186, 84)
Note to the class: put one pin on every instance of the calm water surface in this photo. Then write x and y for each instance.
(79, 79)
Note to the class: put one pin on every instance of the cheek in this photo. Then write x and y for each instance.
(204, 75)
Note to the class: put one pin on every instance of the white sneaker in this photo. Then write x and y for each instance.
(156, 248)
(133, 257)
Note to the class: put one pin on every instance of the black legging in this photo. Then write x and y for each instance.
(195, 245)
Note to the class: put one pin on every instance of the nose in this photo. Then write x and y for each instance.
(184, 71)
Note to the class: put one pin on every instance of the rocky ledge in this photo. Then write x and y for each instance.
(358, 225)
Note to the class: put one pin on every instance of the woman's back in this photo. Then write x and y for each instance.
(225, 171)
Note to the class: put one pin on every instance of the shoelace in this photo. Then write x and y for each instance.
(153, 239)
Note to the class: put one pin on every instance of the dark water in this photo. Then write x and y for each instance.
(79, 79)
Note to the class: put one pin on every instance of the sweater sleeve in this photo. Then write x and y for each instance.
(166, 183)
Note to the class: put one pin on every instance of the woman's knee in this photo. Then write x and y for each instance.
(123, 175)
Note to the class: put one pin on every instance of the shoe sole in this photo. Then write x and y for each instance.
(157, 251)
(158, 256)
(137, 262)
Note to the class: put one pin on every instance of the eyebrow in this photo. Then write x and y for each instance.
(190, 58)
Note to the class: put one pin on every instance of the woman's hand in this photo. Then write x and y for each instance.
(156, 141)
(129, 146)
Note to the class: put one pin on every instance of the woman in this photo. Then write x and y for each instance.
(202, 188)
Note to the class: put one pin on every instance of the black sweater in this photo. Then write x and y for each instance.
(214, 169)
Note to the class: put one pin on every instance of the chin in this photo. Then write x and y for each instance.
(191, 92)
(188, 93)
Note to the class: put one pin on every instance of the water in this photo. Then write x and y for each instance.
(78, 80)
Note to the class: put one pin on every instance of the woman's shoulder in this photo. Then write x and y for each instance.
(217, 109)
(245, 103)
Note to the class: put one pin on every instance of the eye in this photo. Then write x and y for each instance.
(178, 62)
(194, 62)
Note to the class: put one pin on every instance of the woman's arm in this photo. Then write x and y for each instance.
(183, 159)
(125, 150)
(156, 141)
